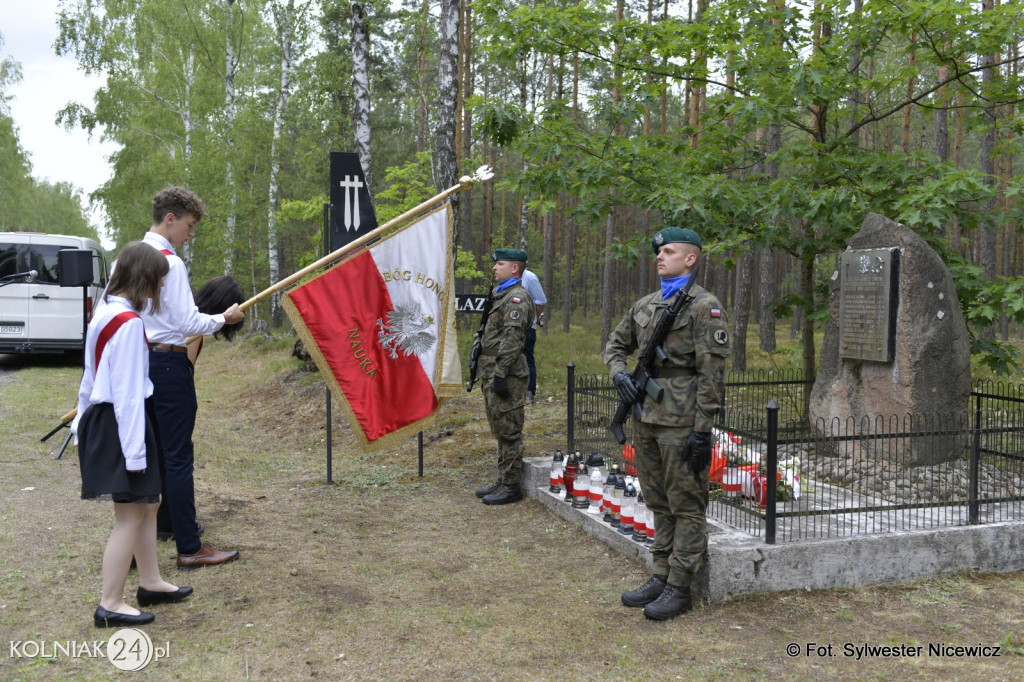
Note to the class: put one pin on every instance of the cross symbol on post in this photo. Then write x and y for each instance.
(351, 207)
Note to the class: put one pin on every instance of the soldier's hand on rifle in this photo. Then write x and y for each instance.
(624, 384)
(699, 445)
(501, 388)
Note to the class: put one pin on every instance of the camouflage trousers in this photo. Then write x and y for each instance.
(506, 417)
(678, 499)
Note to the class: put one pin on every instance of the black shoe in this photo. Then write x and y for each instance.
(484, 492)
(147, 597)
(671, 603)
(646, 593)
(505, 494)
(112, 619)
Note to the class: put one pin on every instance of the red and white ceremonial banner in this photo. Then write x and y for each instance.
(381, 327)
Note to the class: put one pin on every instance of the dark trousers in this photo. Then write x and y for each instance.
(531, 341)
(174, 396)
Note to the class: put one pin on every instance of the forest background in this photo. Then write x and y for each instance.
(772, 127)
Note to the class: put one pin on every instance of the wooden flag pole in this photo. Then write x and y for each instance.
(465, 182)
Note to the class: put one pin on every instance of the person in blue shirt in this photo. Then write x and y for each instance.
(532, 285)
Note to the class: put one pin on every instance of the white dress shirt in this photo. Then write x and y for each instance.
(121, 378)
(532, 285)
(178, 317)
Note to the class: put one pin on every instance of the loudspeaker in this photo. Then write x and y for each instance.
(74, 267)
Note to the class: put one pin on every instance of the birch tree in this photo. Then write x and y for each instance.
(285, 17)
(229, 134)
(361, 92)
(445, 154)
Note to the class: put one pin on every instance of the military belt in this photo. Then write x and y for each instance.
(674, 372)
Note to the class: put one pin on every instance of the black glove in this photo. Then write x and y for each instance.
(699, 447)
(626, 387)
(501, 388)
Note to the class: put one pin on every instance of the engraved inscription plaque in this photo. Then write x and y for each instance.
(868, 293)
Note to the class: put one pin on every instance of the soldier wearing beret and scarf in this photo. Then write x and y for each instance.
(673, 449)
(504, 372)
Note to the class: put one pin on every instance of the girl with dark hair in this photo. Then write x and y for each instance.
(117, 446)
(220, 293)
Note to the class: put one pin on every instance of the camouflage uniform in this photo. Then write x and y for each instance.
(693, 377)
(501, 355)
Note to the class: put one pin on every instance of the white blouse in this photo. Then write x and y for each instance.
(121, 378)
(178, 317)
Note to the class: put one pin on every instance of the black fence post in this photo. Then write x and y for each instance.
(570, 407)
(772, 468)
(973, 508)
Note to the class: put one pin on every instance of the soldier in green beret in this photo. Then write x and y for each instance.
(504, 372)
(673, 449)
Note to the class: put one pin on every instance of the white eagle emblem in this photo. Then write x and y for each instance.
(406, 330)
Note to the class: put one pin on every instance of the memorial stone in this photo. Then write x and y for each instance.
(926, 371)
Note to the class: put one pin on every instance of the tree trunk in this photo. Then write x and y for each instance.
(361, 92)
(607, 290)
(941, 117)
(466, 228)
(445, 159)
(987, 250)
(229, 139)
(188, 77)
(570, 248)
(911, 81)
(286, 27)
(421, 99)
(807, 325)
(741, 309)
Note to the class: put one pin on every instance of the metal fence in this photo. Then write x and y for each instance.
(778, 476)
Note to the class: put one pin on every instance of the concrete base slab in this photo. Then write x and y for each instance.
(739, 563)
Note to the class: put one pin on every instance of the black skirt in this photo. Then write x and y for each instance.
(101, 459)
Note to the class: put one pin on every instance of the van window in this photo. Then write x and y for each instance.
(43, 259)
(8, 259)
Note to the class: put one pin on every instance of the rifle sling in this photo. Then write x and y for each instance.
(673, 372)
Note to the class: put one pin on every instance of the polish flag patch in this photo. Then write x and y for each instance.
(516, 299)
(715, 312)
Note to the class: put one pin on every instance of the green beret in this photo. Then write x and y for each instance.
(669, 235)
(509, 254)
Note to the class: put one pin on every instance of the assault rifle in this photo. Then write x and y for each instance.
(644, 374)
(474, 354)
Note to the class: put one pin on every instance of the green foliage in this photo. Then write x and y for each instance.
(785, 72)
(631, 251)
(27, 204)
(466, 268)
(409, 186)
(983, 302)
(500, 122)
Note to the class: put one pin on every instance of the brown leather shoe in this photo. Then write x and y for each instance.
(206, 556)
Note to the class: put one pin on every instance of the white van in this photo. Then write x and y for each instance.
(41, 316)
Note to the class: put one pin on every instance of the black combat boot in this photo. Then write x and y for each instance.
(672, 602)
(487, 490)
(646, 593)
(505, 494)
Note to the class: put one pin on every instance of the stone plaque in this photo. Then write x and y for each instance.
(868, 293)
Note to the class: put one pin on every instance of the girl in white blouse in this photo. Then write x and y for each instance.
(117, 446)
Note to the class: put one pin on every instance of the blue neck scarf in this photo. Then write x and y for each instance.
(506, 284)
(670, 285)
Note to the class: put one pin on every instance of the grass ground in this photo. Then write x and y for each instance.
(383, 574)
